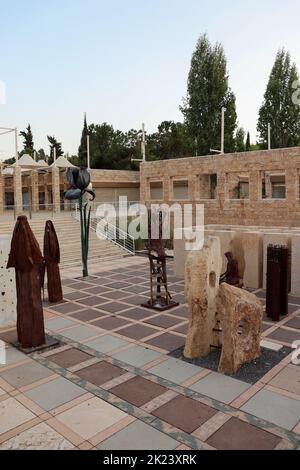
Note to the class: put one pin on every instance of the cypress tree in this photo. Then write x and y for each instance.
(82, 150)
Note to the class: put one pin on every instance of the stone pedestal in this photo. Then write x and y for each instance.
(18, 191)
(55, 189)
(203, 269)
(8, 295)
(34, 191)
(247, 248)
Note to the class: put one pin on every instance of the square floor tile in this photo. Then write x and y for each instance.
(134, 289)
(163, 321)
(116, 295)
(138, 300)
(137, 356)
(100, 373)
(294, 300)
(87, 315)
(117, 285)
(91, 417)
(184, 413)
(26, 374)
(137, 331)
(92, 301)
(66, 308)
(294, 323)
(13, 356)
(139, 436)
(81, 285)
(114, 307)
(40, 437)
(97, 290)
(13, 414)
(175, 371)
(275, 408)
(81, 333)
(107, 343)
(238, 435)
(110, 323)
(182, 312)
(288, 379)
(220, 387)
(183, 329)
(9, 336)
(69, 358)
(167, 341)
(76, 295)
(57, 324)
(55, 393)
(286, 336)
(137, 314)
(138, 391)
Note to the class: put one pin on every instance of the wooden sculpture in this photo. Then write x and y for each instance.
(52, 260)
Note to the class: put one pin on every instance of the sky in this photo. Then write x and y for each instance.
(127, 62)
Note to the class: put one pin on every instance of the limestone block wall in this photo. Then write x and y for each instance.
(8, 296)
(253, 211)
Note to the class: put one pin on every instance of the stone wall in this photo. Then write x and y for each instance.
(258, 209)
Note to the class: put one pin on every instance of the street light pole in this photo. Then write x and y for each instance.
(88, 152)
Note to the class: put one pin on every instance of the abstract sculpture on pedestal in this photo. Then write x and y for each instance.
(158, 265)
(26, 258)
(232, 275)
(52, 260)
(80, 181)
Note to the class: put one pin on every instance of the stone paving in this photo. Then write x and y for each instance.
(113, 385)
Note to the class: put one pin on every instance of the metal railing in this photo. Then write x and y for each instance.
(107, 231)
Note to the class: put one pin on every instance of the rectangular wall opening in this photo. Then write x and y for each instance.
(208, 186)
(180, 190)
(238, 186)
(156, 191)
(274, 185)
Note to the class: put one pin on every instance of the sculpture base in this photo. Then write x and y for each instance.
(51, 343)
(160, 305)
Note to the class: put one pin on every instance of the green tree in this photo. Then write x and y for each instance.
(207, 92)
(28, 144)
(171, 141)
(248, 143)
(240, 140)
(41, 155)
(82, 150)
(54, 144)
(278, 108)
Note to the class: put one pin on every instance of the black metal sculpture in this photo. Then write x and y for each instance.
(278, 281)
(232, 276)
(161, 298)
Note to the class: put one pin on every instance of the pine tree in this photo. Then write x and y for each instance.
(248, 143)
(28, 142)
(278, 108)
(240, 140)
(82, 150)
(207, 92)
(57, 145)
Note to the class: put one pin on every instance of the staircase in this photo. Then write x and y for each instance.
(68, 233)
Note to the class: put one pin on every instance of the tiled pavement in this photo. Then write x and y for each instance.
(113, 385)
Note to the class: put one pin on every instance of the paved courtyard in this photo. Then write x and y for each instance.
(113, 383)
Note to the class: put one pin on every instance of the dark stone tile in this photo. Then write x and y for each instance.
(167, 341)
(266, 326)
(163, 321)
(81, 285)
(114, 307)
(100, 373)
(184, 413)
(237, 435)
(137, 331)
(293, 308)
(87, 315)
(110, 323)
(76, 295)
(286, 336)
(294, 323)
(294, 300)
(137, 314)
(134, 289)
(181, 311)
(137, 300)
(9, 336)
(92, 301)
(66, 308)
(117, 285)
(116, 295)
(182, 329)
(69, 358)
(99, 290)
(138, 391)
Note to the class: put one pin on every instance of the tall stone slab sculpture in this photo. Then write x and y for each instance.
(241, 318)
(202, 275)
(25, 256)
(8, 297)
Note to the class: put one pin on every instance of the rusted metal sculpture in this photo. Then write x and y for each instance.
(26, 258)
(161, 298)
(232, 276)
(277, 281)
(52, 260)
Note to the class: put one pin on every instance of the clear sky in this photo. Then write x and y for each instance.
(127, 61)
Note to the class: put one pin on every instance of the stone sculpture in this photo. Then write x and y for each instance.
(241, 318)
(26, 258)
(203, 269)
(52, 260)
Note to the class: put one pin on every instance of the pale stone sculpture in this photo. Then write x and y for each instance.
(241, 318)
(8, 297)
(203, 269)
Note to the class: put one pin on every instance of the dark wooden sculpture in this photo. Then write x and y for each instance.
(158, 266)
(26, 258)
(52, 260)
(278, 281)
(232, 276)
